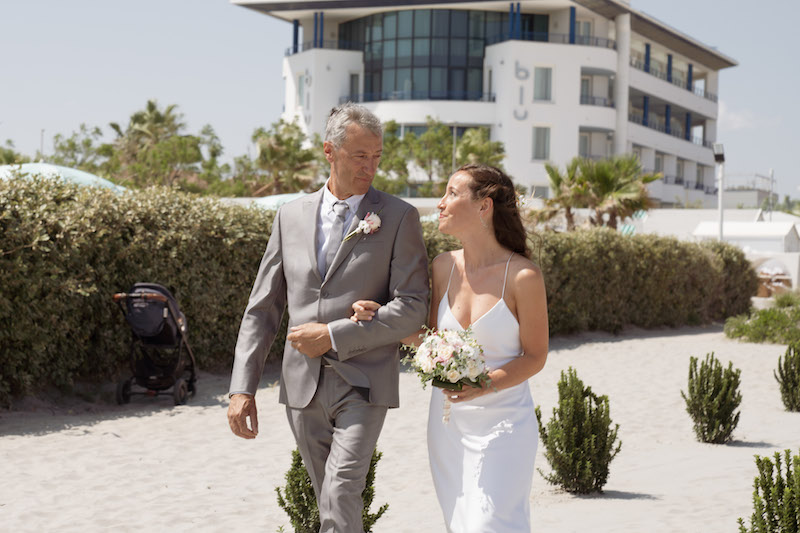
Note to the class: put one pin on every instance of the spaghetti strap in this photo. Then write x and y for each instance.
(505, 277)
(447, 290)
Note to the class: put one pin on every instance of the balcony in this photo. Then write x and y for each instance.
(658, 126)
(328, 45)
(469, 96)
(639, 65)
(596, 100)
(558, 38)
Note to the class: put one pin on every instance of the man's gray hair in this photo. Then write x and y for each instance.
(349, 113)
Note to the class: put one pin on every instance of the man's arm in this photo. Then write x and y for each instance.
(262, 317)
(405, 313)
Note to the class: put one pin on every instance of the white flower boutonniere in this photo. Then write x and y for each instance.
(368, 226)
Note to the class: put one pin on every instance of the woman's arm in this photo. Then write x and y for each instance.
(528, 290)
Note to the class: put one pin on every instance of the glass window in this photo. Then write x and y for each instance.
(422, 48)
(376, 32)
(583, 145)
(404, 52)
(458, 23)
(422, 23)
(542, 84)
(420, 87)
(659, 162)
(405, 23)
(389, 53)
(458, 52)
(541, 143)
(440, 23)
(387, 83)
(403, 81)
(354, 87)
(476, 24)
(541, 25)
(494, 27)
(586, 89)
(680, 169)
(699, 174)
(438, 82)
(457, 83)
(389, 27)
(439, 52)
(476, 48)
(474, 83)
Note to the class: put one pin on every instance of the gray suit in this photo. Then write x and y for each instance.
(389, 267)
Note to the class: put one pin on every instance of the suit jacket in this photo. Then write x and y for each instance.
(388, 266)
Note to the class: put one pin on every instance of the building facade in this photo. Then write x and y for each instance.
(551, 79)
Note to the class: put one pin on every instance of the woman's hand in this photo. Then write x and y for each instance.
(364, 310)
(467, 393)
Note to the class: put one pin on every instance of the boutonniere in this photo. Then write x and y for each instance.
(368, 226)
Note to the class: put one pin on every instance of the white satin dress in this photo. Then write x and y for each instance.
(482, 458)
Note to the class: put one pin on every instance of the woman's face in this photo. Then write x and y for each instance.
(459, 213)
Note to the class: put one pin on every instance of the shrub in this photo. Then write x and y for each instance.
(65, 250)
(779, 325)
(579, 442)
(776, 498)
(788, 377)
(713, 399)
(300, 503)
(787, 299)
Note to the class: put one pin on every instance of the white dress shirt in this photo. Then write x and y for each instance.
(325, 223)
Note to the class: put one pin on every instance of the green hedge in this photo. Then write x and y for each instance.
(65, 250)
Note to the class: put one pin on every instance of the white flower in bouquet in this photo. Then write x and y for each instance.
(450, 359)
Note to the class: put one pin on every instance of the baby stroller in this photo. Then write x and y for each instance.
(161, 358)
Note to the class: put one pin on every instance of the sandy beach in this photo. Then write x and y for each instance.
(100, 467)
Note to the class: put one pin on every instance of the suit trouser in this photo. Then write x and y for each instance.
(336, 434)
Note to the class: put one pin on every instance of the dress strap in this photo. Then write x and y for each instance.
(447, 291)
(505, 277)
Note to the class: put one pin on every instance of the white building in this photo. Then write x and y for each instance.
(551, 79)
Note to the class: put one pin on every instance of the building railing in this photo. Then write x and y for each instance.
(538, 36)
(710, 189)
(688, 185)
(658, 125)
(638, 64)
(471, 96)
(699, 186)
(596, 100)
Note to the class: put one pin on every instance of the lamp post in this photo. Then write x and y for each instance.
(719, 157)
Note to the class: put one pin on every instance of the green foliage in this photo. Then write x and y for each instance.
(579, 441)
(300, 503)
(776, 496)
(713, 399)
(287, 165)
(80, 150)
(65, 250)
(787, 299)
(647, 280)
(9, 156)
(475, 147)
(775, 325)
(788, 377)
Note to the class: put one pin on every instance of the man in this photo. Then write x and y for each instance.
(338, 377)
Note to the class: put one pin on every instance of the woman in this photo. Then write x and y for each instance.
(482, 458)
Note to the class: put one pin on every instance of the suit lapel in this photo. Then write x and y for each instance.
(310, 213)
(370, 204)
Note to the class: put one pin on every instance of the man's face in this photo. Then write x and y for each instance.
(354, 164)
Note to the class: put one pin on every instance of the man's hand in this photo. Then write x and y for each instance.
(242, 406)
(311, 339)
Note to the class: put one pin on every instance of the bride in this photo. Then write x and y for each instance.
(482, 458)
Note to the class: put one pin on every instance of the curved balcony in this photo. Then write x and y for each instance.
(596, 100)
(558, 38)
(658, 126)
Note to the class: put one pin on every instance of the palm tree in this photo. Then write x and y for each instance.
(475, 147)
(569, 191)
(289, 166)
(616, 188)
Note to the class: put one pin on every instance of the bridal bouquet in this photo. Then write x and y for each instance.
(450, 359)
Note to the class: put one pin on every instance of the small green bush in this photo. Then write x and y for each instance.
(300, 503)
(787, 299)
(776, 496)
(579, 441)
(788, 377)
(713, 399)
(778, 325)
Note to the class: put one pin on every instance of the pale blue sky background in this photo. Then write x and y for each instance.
(98, 61)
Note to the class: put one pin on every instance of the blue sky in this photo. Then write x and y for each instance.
(95, 61)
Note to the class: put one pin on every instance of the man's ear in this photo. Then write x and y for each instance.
(327, 148)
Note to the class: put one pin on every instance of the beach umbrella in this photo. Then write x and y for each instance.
(276, 200)
(71, 175)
